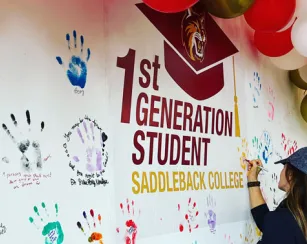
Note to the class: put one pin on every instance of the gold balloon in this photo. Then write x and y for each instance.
(227, 9)
(295, 77)
(304, 108)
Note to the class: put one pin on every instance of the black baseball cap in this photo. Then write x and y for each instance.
(298, 160)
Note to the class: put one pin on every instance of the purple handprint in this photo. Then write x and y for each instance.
(94, 147)
(211, 219)
(210, 214)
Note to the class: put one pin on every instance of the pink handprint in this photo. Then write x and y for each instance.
(271, 108)
(228, 239)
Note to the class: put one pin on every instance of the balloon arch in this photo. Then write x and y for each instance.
(280, 30)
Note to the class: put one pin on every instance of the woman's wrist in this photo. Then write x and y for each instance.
(252, 179)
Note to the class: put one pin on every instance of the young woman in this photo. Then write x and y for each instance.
(288, 223)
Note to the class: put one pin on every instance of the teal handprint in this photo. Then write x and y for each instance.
(256, 146)
(51, 229)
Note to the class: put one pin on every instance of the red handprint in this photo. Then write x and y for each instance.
(190, 216)
(289, 146)
(129, 212)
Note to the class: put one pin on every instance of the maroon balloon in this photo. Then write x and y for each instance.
(170, 6)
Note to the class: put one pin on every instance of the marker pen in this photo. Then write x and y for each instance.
(260, 167)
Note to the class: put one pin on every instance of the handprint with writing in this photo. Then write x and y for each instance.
(49, 225)
(89, 226)
(77, 66)
(210, 213)
(94, 154)
(131, 215)
(30, 149)
(190, 215)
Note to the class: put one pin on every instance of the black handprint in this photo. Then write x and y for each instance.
(24, 144)
(274, 178)
(275, 202)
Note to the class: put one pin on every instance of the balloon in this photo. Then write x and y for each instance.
(299, 77)
(270, 15)
(274, 44)
(170, 6)
(290, 61)
(304, 108)
(227, 9)
(299, 36)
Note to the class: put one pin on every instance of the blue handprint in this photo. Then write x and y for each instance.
(77, 67)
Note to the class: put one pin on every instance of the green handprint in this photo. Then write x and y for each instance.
(52, 231)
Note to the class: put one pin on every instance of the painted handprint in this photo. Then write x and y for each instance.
(289, 146)
(275, 202)
(77, 66)
(228, 239)
(274, 178)
(190, 215)
(96, 159)
(88, 227)
(256, 89)
(266, 146)
(30, 149)
(49, 226)
(263, 189)
(256, 147)
(210, 213)
(131, 215)
(248, 235)
(244, 153)
(271, 102)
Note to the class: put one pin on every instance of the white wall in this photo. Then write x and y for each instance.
(33, 35)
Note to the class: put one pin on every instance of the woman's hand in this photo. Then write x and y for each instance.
(253, 170)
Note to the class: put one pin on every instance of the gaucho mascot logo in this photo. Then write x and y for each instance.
(194, 35)
(194, 49)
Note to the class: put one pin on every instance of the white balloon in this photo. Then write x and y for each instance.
(299, 36)
(290, 61)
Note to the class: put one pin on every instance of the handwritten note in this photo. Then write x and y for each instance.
(94, 179)
(20, 180)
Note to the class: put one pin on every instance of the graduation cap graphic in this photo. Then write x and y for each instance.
(194, 49)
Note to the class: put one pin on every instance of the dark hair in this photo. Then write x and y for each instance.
(297, 196)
